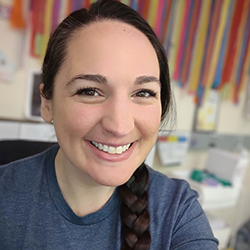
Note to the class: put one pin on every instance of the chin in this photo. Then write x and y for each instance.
(113, 180)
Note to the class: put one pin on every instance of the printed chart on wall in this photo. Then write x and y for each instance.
(172, 147)
(206, 115)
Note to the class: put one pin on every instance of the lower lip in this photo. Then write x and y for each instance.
(111, 157)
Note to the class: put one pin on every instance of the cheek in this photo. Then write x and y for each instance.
(150, 120)
(76, 119)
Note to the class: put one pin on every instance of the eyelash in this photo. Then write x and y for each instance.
(147, 91)
(84, 91)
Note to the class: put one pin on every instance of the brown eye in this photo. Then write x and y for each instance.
(145, 93)
(87, 92)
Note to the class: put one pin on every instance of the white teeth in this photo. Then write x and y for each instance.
(105, 148)
(118, 150)
(110, 149)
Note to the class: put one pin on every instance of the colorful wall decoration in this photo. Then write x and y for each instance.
(207, 41)
(5, 9)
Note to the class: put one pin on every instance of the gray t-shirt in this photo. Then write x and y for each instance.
(35, 216)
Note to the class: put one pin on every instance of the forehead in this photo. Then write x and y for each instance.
(110, 46)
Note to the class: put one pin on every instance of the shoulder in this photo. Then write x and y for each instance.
(176, 212)
(22, 173)
(171, 198)
(162, 186)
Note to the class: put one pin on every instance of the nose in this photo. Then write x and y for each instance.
(118, 117)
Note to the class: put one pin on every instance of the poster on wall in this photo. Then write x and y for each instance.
(172, 147)
(33, 104)
(206, 116)
(6, 69)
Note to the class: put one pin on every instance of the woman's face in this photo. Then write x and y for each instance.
(106, 106)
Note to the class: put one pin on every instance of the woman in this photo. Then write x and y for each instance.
(106, 89)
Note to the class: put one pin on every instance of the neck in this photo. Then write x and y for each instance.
(80, 191)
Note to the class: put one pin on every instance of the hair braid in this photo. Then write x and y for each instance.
(134, 213)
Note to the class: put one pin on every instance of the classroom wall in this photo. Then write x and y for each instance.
(13, 96)
(232, 117)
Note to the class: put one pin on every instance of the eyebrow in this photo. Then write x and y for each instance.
(146, 79)
(102, 79)
(88, 77)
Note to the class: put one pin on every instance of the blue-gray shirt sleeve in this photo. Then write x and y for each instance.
(177, 219)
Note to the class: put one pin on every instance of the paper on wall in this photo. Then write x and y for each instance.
(172, 147)
(6, 69)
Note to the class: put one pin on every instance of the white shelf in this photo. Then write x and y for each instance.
(27, 131)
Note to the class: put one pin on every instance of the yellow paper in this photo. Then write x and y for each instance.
(153, 8)
(125, 2)
(245, 72)
(199, 46)
(47, 25)
(238, 50)
(63, 10)
(179, 15)
(245, 67)
(217, 45)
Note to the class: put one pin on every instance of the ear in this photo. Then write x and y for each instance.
(46, 106)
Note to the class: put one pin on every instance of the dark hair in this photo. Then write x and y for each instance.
(134, 212)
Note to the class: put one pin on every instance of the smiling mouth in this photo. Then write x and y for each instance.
(111, 149)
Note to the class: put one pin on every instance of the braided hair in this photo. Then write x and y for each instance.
(134, 212)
